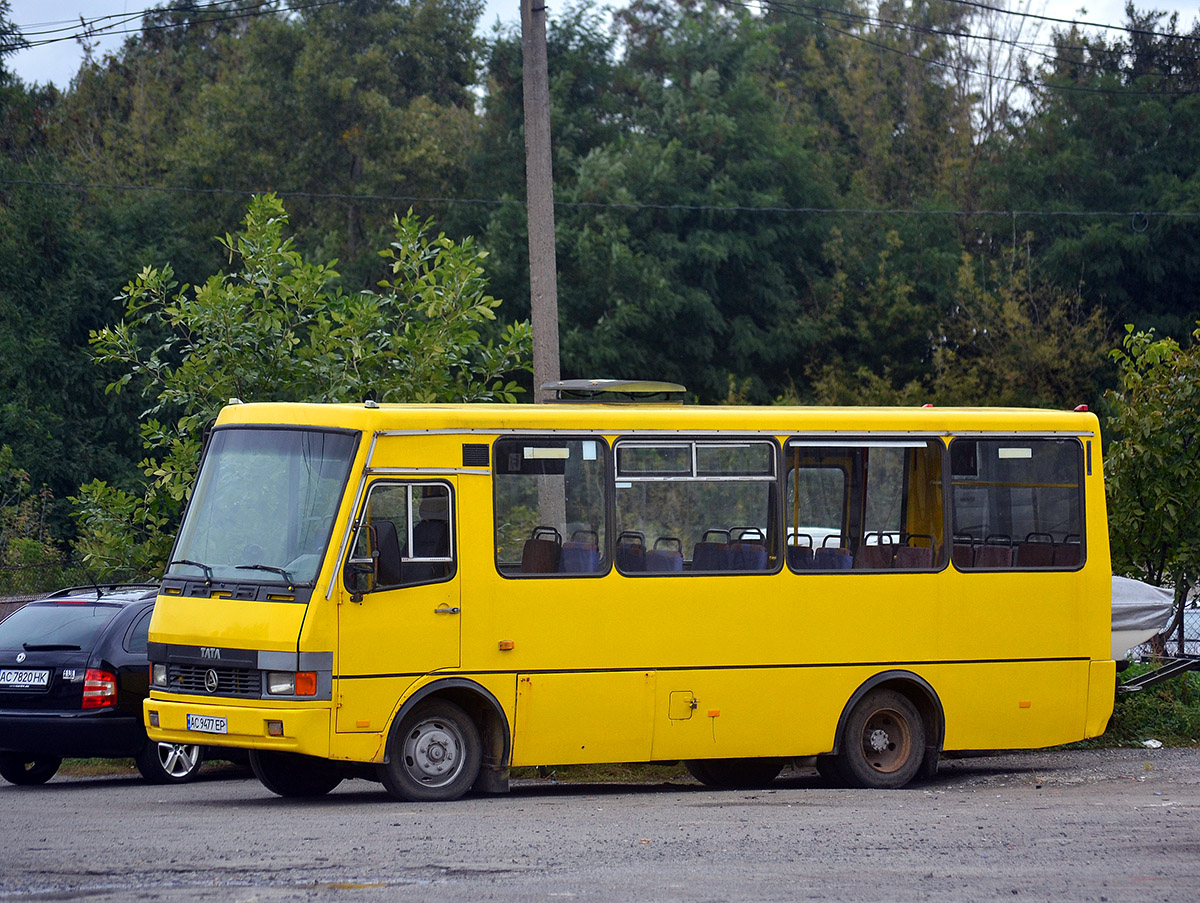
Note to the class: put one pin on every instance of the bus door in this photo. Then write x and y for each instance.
(400, 616)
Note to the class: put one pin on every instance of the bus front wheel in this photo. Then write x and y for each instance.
(291, 774)
(434, 753)
(883, 742)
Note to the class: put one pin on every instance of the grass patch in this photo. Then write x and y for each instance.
(619, 773)
(90, 768)
(1168, 712)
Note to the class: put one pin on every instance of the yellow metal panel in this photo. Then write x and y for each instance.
(569, 718)
(237, 624)
(758, 712)
(1013, 705)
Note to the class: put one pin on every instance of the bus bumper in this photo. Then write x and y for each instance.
(1102, 693)
(296, 729)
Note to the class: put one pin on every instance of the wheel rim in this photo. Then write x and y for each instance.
(433, 752)
(178, 760)
(887, 741)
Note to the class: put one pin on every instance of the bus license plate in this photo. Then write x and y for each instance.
(208, 724)
(12, 677)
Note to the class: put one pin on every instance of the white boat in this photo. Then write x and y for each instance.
(1139, 611)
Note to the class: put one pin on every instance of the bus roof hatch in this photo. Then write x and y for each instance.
(616, 391)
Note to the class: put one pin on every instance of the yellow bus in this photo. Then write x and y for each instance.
(429, 595)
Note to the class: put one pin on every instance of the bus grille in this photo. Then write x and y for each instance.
(230, 681)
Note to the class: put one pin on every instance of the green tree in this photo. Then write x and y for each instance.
(663, 269)
(1152, 472)
(335, 104)
(1114, 125)
(24, 528)
(1007, 338)
(278, 329)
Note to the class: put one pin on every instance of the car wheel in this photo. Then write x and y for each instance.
(27, 770)
(291, 774)
(169, 763)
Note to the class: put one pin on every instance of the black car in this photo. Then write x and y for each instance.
(73, 674)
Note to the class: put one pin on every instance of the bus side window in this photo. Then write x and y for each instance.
(708, 504)
(865, 505)
(404, 537)
(550, 507)
(1017, 503)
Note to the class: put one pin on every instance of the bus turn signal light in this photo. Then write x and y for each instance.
(306, 683)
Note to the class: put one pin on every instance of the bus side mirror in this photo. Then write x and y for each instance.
(361, 573)
(359, 577)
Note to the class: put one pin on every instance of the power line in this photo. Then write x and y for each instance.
(795, 8)
(967, 70)
(1071, 22)
(90, 27)
(709, 208)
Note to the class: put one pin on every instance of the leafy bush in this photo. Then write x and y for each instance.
(1168, 712)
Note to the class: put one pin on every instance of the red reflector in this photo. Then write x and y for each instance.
(99, 689)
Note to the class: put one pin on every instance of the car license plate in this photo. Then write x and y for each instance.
(24, 678)
(208, 724)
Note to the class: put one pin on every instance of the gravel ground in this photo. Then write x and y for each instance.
(1102, 825)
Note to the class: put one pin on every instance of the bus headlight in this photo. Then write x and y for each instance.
(158, 675)
(292, 683)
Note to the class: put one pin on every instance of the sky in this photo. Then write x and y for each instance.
(59, 61)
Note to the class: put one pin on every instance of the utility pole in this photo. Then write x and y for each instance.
(539, 197)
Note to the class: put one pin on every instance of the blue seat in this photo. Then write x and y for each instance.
(832, 558)
(712, 555)
(631, 552)
(580, 555)
(666, 557)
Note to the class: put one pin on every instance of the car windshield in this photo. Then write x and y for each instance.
(264, 505)
(57, 625)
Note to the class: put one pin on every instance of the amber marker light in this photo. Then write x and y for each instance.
(306, 683)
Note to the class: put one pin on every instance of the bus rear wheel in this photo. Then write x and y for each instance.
(735, 773)
(291, 774)
(434, 754)
(883, 741)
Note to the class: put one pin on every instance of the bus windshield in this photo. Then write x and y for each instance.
(264, 505)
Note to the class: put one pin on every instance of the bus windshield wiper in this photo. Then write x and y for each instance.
(208, 572)
(267, 567)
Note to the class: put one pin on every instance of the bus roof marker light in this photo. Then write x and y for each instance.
(1081, 409)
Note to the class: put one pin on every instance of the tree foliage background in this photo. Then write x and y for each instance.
(905, 202)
